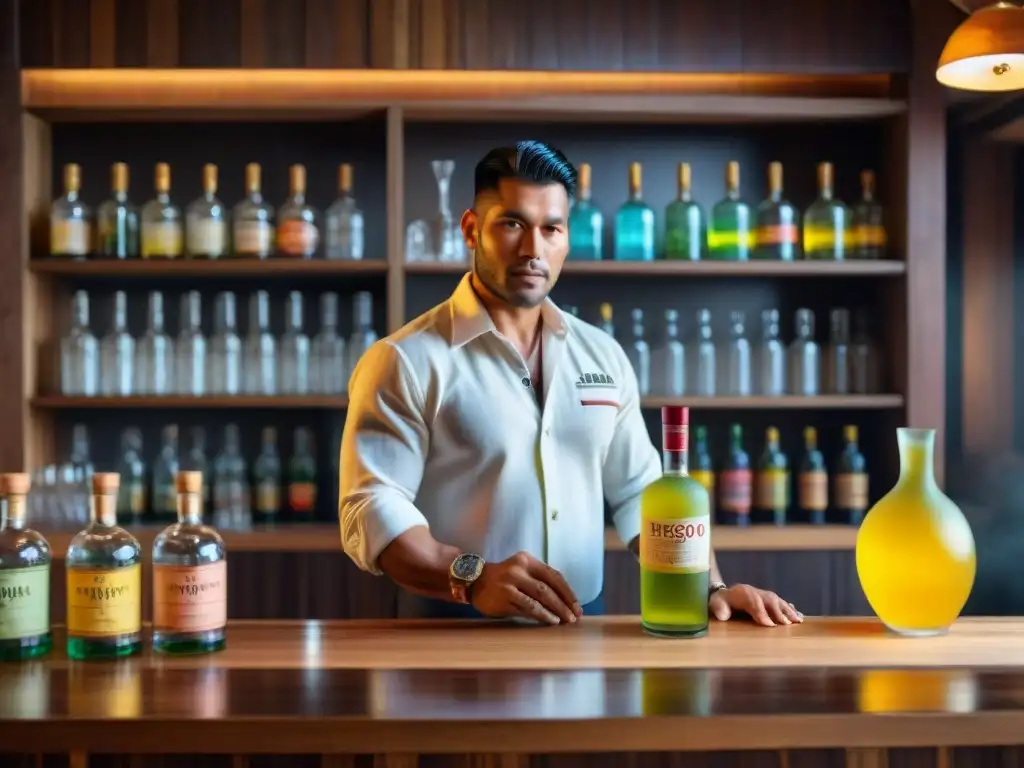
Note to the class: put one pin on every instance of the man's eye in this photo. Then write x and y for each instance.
(511, 224)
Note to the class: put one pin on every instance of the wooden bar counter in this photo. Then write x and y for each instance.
(396, 694)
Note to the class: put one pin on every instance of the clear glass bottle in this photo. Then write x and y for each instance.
(231, 492)
(634, 223)
(639, 354)
(117, 220)
(826, 222)
(154, 364)
(161, 220)
(776, 222)
(607, 319)
(865, 373)
(867, 222)
(344, 221)
(104, 581)
(738, 375)
(206, 226)
(117, 353)
(685, 225)
(190, 578)
(668, 361)
(804, 357)
(25, 561)
(729, 233)
(260, 348)
(70, 219)
(771, 357)
(704, 367)
(363, 336)
(298, 235)
(195, 460)
(79, 352)
(190, 348)
(586, 222)
(302, 478)
(329, 364)
(266, 475)
(131, 495)
(837, 355)
(253, 219)
(295, 352)
(165, 468)
(75, 484)
(225, 350)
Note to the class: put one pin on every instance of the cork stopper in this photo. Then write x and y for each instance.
(732, 176)
(345, 178)
(810, 437)
(606, 312)
(15, 483)
(850, 433)
(162, 178)
(635, 178)
(105, 483)
(297, 179)
(189, 482)
(72, 177)
(867, 182)
(585, 177)
(825, 177)
(772, 434)
(685, 177)
(775, 177)
(210, 178)
(119, 177)
(252, 178)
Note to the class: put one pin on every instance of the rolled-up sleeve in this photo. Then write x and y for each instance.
(383, 448)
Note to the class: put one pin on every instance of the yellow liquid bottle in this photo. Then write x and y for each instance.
(915, 549)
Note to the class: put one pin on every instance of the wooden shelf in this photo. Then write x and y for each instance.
(698, 268)
(218, 268)
(826, 402)
(57, 402)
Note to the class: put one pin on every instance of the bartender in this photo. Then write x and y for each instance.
(484, 437)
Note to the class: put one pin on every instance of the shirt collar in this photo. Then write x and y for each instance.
(469, 317)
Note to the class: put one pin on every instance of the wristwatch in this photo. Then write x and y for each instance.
(716, 586)
(463, 573)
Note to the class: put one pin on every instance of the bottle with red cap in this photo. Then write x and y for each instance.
(675, 540)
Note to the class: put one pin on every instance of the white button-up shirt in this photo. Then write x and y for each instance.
(444, 430)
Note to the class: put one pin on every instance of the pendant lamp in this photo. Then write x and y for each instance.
(986, 52)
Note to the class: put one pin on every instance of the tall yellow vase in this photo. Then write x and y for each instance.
(915, 549)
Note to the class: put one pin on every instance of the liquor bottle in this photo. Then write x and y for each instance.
(190, 578)
(771, 357)
(607, 323)
(363, 336)
(685, 228)
(161, 220)
(266, 475)
(260, 358)
(104, 581)
(776, 232)
(195, 461)
(705, 380)
(851, 480)
(80, 352)
(206, 227)
(668, 361)
(826, 222)
(867, 222)
(295, 351)
(131, 494)
(812, 486)
(634, 223)
(302, 478)
(865, 376)
(117, 220)
(771, 493)
(735, 489)
(165, 469)
(253, 219)
(76, 477)
(344, 221)
(297, 233)
(729, 233)
(837, 356)
(738, 379)
(675, 540)
(586, 223)
(117, 353)
(155, 361)
(329, 362)
(25, 560)
(639, 354)
(190, 347)
(804, 357)
(226, 372)
(703, 470)
(70, 233)
(232, 499)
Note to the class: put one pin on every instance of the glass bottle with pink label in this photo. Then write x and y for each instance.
(190, 589)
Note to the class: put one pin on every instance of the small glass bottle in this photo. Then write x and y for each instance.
(232, 498)
(685, 227)
(344, 221)
(295, 350)
(225, 349)
(25, 561)
(329, 363)
(804, 357)
(705, 380)
(776, 228)
(586, 222)
(165, 468)
(851, 480)
(266, 475)
(363, 336)
(703, 470)
(190, 578)
(607, 319)
(867, 222)
(154, 365)
(104, 581)
(865, 375)
(253, 219)
(297, 234)
(735, 482)
(117, 220)
(738, 377)
(812, 485)
(826, 222)
(260, 348)
(771, 357)
(190, 349)
(668, 361)
(117, 353)
(70, 219)
(634, 223)
(729, 233)
(206, 228)
(161, 220)
(771, 492)
(837, 356)
(79, 352)
(639, 354)
(131, 495)
(195, 460)
(302, 478)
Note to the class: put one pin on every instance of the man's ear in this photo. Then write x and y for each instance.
(470, 228)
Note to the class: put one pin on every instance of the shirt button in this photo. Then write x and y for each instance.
(547, 432)
(554, 514)
(526, 381)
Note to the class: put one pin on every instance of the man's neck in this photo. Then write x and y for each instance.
(520, 325)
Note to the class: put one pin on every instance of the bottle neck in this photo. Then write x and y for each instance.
(675, 451)
(12, 513)
(917, 457)
(104, 509)
(190, 508)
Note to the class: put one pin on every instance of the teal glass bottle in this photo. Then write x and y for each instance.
(685, 227)
(586, 223)
(776, 222)
(826, 222)
(634, 223)
(729, 234)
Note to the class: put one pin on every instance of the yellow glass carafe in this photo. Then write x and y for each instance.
(915, 549)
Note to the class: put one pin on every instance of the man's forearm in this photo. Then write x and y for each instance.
(716, 575)
(419, 563)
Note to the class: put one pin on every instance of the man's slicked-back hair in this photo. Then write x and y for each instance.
(530, 161)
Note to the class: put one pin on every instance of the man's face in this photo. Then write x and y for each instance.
(520, 238)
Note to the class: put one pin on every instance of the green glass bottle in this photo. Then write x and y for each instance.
(851, 480)
(703, 470)
(634, 223)
(586, 223)
(867, 224)
(776, 229)
(771, 491)
(685, 227)
(729, 233)
(735, 482)
(812, 484)
(826, 222)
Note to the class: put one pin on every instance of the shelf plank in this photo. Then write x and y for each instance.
(785, 402)
(699, 268)
(203, 268)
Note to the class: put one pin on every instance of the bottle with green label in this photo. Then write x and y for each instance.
(826, 222)
(771, 489)
(730, 233)
(24, 577)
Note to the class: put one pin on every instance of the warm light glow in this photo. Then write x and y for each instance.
(986, 52)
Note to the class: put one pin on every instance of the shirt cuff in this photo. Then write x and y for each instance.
(627, 521)
(380, 524)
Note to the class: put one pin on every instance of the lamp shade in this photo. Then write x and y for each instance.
(986, 52)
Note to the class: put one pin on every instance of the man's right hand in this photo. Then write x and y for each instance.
(524, 586)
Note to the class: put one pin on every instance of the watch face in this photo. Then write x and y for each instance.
(467, 567)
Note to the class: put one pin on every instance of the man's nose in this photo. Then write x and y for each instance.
(531, 246)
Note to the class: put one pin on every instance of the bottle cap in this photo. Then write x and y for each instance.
(189, 482)
(105, 482)
(675, 415)
(15, 483)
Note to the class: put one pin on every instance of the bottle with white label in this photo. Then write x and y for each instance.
(298, 235)
(675, 540)
(161, 220)
(206, 228)
(253, 220)
(70, 227)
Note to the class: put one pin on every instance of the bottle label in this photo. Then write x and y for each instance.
(818, 239)
(253, 238)
(675, 437)
(302, 497)
(706, 478)
(682, 545)
(777, 234)
(852, 490)
(137, 498)
(69, 236)
(161, 238)
(772, 490)
(24, 602)
(736, 491)
(190, 598)
(104, 603)
(735, 239)
(206, 237)
(814, 490)
(268, 497)
(297, 238)
(869, 236)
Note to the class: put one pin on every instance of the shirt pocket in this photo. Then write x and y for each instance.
(595, 412)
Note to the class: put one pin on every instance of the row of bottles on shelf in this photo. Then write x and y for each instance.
(734, 231)
(743, 493)
(191, 364)
(669, 368)
(207, 230)
(104, 578)
(239, 495)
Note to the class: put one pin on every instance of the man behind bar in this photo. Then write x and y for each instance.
(472, 474)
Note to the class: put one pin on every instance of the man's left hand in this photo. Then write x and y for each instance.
(764, 607)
